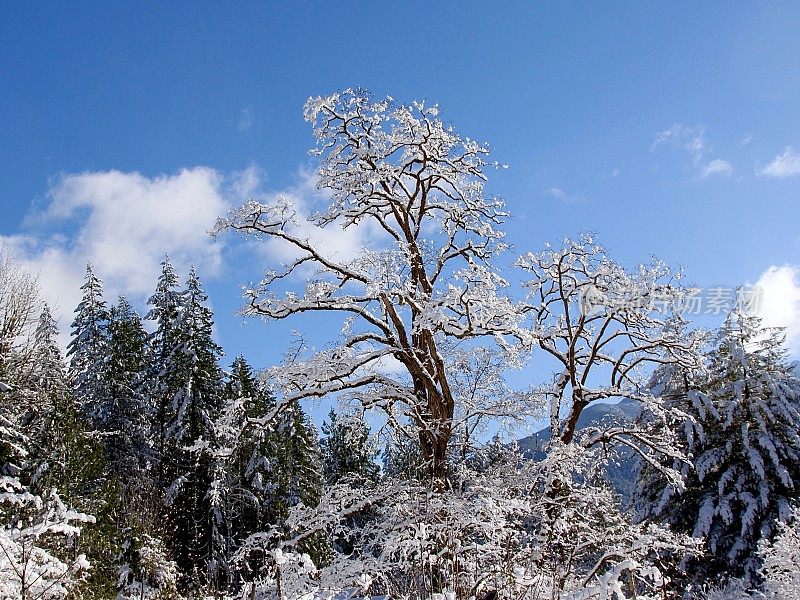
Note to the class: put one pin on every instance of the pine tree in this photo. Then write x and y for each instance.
(88, 351)
(166, 305)
(126, 440)
(740, 422)
(192, 375)
(346, 449)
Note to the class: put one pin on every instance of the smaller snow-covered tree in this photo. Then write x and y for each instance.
(347, 450)
(780, 560)
(148, 574)
(37, 544)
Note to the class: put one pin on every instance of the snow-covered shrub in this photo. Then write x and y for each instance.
(500, 530)
(780, 567)
(151, 575)
(37, 535)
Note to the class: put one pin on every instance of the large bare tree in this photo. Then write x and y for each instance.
(429, 289)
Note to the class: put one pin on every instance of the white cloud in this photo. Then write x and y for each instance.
(559, 194)
(124, 223)
(784, 165)
(691, 139)
(717, 167)
(779, 302)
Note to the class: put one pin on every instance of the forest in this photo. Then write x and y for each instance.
(140, 462)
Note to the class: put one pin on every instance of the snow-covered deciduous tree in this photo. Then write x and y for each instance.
(495, 535)
(19, 305)
(604, 327)
(780, 560)
(400, 170)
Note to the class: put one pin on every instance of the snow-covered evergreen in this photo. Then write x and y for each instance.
(128, 412)
(88, 352)
(739, 419)
(193, 379)
(347, 450)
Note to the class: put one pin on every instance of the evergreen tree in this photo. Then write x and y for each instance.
(88, 352)
(244, 465)
(165, 307)
(402, 458)
(192, 375)
(346, 449)
(126, 440)
(740, 422)
(298, 474)
(63, 455)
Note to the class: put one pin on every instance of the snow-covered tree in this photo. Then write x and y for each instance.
(149, 573)
(244, 470)
(38, 539)
(126, 439)
(65, 454)
(742, 431)
(495, 535)
(192, 376)
(347, 450)
(88, 352)
(780, 560)
(165, 307)
(19, 305)
(604, 326)
(401, 173)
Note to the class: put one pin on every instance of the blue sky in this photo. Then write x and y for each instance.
(673, 130)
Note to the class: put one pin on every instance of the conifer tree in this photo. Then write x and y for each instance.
(192, 375)
(346, 448)
(165, 307)
(740, 424)
(244, 466)
(64, 456)
(126, 441)
(299, 474)
(88, 350)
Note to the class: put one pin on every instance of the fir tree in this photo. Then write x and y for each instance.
(126, 441)
(88, 351)
(63, 455)
(740, 422)
(347, 450)
(244, 465)
(165, 307)
(192, 375)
